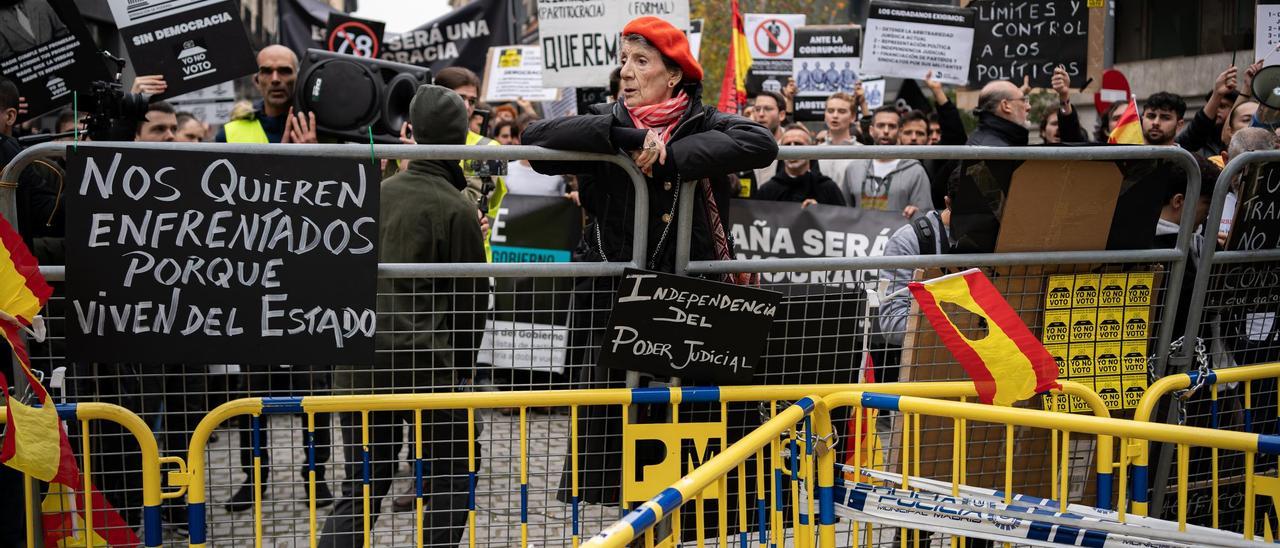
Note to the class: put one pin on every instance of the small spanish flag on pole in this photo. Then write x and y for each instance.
(1128, 130)
(1007, 365)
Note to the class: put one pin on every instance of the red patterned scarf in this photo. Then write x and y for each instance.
(661, 115)
(665, 115)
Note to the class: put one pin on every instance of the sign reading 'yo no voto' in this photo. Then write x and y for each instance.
(199, 257)
(690, 328)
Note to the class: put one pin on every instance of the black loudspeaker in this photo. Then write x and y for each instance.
(351, 95)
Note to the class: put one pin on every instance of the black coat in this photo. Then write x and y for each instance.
(707, 144)
(812, 184)
(994, 131)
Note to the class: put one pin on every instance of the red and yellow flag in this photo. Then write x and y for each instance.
(1128, 130)
(1007, 365)
(35, 442)
(733, 88)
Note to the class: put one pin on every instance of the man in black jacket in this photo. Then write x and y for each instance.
(798, 181)
(1002, 116)
(428, 343)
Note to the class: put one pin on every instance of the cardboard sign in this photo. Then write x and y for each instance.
(581, 39)
(1266, 35)
(515, 72)
(198, 257)
(49, 57)
(354, 36)
(826, 62)
(771, 40)
(908, 40)
(655, 456)
(677, 326)
(193, 44)
(1016, 38)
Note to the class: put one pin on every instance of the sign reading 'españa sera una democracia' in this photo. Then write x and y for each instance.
(199, 257)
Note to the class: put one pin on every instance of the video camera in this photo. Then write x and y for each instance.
(112, 114)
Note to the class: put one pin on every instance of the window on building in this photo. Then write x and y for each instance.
(1154, 29)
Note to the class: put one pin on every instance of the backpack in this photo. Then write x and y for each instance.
(926, 236)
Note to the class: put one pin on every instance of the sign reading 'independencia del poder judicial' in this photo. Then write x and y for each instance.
(690, 328)
(198, 257)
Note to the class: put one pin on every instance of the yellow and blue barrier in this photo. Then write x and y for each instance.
(309, 406)
(642, 520)
(1211, 380)
(150, 453)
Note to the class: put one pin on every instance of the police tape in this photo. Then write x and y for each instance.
(974, 518)
(1034, 503)
(1032, 521)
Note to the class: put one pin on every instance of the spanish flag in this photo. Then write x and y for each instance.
(733, 89)
(1128, 130)
(1007, 365)
(35, 442)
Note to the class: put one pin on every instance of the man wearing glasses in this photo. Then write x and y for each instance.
(272, 119)
(1002, 116)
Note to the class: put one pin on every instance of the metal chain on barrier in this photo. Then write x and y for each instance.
(1202, 369)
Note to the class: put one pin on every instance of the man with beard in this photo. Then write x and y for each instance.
(887, 185)
(1162, 118)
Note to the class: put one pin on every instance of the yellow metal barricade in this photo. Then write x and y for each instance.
(151, 460)
(574, 400)
(1037, 517)
(1179, 389)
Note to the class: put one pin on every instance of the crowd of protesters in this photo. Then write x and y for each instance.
(657, 118)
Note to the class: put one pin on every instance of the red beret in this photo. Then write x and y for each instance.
(669, 40)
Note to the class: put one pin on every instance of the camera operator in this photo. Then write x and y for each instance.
(272, 119)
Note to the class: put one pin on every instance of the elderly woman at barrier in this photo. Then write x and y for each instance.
(673, 138)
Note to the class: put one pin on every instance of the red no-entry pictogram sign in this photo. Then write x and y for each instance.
(773, 37)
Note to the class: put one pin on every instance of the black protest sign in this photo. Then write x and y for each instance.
(826, 62)
(46, 50)
(354, 36)
(766, 230)
(1017, 38)
(686, 327)
(461, 37)
(199, 257)
(194, 45)
(1251, 290)
(1256, 224)
(535, 229)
